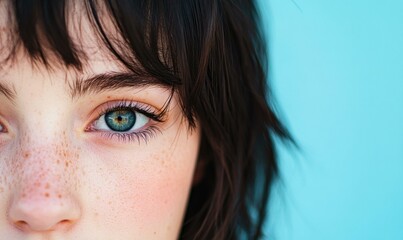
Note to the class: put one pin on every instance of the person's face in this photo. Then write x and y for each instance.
(80, 161)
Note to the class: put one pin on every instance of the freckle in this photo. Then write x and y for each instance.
(46, 194)
(47, 186)
(24, 195)
(26, 154)
(67, 163)
(59, 196)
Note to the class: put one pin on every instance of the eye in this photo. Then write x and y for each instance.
(2, 128)
(123, 119)
(126, 121)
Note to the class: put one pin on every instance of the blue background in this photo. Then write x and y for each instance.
(336, 68)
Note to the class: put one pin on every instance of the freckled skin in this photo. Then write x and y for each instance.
(59, 181)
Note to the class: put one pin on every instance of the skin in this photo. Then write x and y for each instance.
(63, 179)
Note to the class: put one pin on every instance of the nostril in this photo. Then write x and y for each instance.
(39, 215)
(26, 227)
(64, 222)
(62, 225)
(22, 225)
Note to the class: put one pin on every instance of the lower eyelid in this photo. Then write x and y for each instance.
(141, 136)
(143, 133)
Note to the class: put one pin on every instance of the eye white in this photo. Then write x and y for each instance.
(141, 121)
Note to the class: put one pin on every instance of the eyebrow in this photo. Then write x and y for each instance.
(110, 81)
(7, 91)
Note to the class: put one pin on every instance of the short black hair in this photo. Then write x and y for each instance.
(211, 53)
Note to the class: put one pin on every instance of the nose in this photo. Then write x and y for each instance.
(43, 196)
(43, 214)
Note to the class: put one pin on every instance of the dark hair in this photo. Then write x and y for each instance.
(212, 54)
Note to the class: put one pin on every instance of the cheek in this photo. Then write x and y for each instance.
(147, 190)
(159, 198)
(158, 191)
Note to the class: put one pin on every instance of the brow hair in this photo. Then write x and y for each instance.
(110, 81)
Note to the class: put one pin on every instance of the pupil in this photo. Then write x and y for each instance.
(120, 120)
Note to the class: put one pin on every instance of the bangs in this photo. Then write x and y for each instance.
(165, 40)
(61, 28)
(210, 53)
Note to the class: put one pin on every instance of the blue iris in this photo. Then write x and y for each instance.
(120, 120)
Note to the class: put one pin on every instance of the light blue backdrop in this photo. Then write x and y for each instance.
(337, 73)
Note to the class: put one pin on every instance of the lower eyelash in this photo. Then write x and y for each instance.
(143, 135)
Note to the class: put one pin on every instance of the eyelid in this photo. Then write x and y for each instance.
(142, 108)
(143, 133)
(101, 123)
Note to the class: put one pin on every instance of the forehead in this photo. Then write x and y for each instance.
(81, 40)
(21, 69)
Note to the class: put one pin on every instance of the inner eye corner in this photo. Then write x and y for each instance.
(3, 128)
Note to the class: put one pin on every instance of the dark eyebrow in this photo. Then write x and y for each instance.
(110, 81)
(7, 91)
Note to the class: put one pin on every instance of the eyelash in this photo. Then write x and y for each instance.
(143, 134)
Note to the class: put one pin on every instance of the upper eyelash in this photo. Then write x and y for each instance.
(135, 106)
(141, 108)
